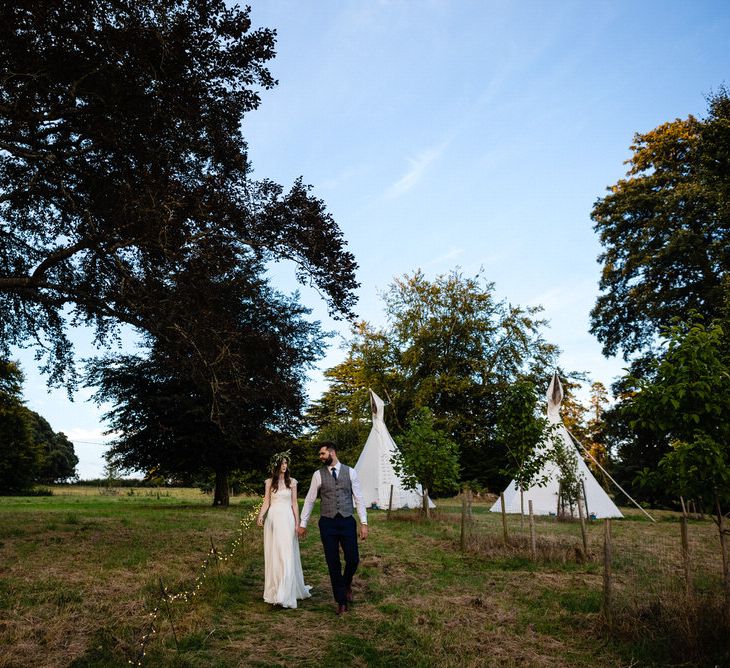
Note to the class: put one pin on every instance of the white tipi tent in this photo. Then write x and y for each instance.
(545, 499)
(375, 470)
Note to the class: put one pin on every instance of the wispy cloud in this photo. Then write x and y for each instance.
(576, 298)
(446, 257)
(418, 167)
(90, 436)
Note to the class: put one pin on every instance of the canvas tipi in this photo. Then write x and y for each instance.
(375, 469)
(545, 499)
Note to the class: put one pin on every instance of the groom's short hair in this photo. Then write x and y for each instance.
(329, 445)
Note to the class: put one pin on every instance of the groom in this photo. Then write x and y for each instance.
(336, 485)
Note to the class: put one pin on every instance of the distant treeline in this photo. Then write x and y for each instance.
(124, 482)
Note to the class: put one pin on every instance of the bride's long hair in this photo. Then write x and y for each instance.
(275, 471)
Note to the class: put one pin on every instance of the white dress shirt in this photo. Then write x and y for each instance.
(314, 490)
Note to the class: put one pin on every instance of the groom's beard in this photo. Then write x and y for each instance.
(328, 461)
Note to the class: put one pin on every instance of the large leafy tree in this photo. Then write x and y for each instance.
(123, 162)
(450, 346)
(126, 197)
(665, 232)
(20, 456)
(183, 411)
(58, 458)
(30, 451)
(688, 401)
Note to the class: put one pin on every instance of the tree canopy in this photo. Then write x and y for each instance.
(665, 232)
(30, 451)
(164, 409)
(687, 400)
(19, 455)
(127, 198)
(123, 165)
(451, 346)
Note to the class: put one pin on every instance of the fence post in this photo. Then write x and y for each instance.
(533, 542)
(504, 520)
(463, 520)
(585, 500)
(725, 564)
(686, 559)
(607, 570)
(390, 503)
(468, 503)
(583, 529)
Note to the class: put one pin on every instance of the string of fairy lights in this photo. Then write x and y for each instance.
(188, 595)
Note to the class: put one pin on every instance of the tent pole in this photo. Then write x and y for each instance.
(609, 475)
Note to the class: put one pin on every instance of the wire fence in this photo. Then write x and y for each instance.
(654, 578)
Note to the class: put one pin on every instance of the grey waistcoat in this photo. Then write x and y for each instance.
(336, 496)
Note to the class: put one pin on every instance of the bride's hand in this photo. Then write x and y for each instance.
(260, 521)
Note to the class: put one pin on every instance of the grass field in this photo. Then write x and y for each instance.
(80, 575)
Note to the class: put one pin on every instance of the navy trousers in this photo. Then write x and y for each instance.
(337, 532)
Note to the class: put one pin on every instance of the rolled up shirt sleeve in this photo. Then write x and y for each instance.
(310, 499)
(357, 495)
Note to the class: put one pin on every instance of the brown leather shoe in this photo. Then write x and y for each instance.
(341, 608)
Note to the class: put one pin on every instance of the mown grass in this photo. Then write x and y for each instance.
(80, 575)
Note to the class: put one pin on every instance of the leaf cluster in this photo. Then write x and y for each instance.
(426, 456)
(665, 231)
(687, 401)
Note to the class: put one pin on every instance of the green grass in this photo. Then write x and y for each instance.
(80, 575)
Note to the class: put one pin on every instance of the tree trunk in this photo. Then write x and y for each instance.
(221, 496)
(522, 500)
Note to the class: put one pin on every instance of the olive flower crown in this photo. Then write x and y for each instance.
(279, 457)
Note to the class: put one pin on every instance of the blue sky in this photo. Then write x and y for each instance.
(457, 133)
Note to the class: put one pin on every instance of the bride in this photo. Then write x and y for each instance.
(283, 578)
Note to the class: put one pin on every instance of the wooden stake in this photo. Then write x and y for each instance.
(533, 542)
(504, 520)
(725, 562)
(583, 529)
(463, 521)
(684, 508)
(607, 570)
(585, 499)
(468, 504)
(685, 558)
(390, 503)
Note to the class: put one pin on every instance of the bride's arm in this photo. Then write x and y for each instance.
(295, 504)
(265, 504)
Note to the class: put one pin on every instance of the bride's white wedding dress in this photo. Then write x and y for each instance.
(283, 577)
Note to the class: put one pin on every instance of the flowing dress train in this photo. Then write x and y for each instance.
(283, 577)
